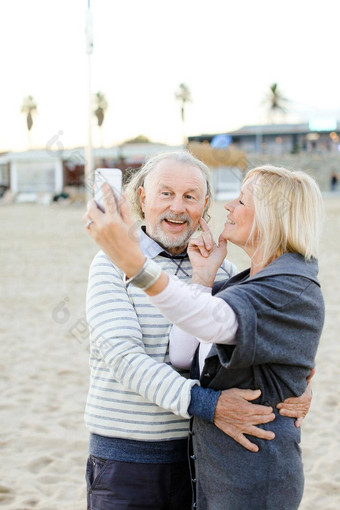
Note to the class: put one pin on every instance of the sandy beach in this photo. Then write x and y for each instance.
(45, 256)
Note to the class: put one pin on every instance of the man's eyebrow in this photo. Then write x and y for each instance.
(191, 190)
(161, 185)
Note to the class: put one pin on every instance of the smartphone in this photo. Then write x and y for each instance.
(113, 176)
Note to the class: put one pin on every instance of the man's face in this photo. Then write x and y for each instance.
(173, 200)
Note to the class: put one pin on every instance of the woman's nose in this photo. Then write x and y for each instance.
(228, 206)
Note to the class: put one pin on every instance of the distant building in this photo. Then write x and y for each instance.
(44, 175)
(283, 138)
(31, 172)
(48, 171)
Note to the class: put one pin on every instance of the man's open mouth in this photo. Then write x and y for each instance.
(175, 222)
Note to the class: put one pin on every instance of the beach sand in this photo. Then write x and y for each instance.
(45, 256)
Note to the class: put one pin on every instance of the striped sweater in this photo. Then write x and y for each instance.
(134, 392)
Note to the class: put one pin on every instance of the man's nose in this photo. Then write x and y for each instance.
(177, 205)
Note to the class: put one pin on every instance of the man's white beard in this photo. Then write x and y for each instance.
(158, 235)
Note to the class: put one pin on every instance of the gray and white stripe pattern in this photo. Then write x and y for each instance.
(134, 392)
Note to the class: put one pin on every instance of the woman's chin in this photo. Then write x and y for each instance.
(227, 238)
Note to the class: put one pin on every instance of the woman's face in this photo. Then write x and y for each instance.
(240, 219)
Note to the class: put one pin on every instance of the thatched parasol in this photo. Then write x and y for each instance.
(214, 157)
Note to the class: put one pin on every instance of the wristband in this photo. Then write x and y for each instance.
(146, 276)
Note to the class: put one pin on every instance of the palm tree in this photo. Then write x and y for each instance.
(183, 95)
(29, 106)
(275, 101)
(138, 139)
(101, 107)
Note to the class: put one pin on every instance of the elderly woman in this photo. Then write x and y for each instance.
(260, 329)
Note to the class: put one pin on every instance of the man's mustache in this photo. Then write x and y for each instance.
(176, 217)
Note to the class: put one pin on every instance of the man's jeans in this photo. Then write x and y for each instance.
(114, 485)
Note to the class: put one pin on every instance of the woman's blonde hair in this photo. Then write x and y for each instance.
(288, 212)
(138, 178)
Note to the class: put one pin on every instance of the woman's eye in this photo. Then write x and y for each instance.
(242, 203)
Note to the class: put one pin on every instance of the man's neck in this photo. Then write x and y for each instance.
(175, 251)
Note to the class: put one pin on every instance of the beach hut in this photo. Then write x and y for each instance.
(31, 173)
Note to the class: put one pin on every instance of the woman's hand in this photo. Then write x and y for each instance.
(298, 407)
(206, 256)
(114, 232)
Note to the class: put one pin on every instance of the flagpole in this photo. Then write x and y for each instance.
(89, 162)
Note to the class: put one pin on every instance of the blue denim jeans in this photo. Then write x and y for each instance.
(115, 485)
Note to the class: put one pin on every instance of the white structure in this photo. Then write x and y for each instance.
(32, 172)
(226, 182)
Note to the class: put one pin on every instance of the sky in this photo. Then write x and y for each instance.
(227, 52)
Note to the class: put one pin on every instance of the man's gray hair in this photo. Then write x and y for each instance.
(138, 178)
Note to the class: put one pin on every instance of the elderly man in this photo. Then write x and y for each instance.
(138, 406)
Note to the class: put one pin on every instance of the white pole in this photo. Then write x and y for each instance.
(89, 163)
(14, 177)
(58, 176)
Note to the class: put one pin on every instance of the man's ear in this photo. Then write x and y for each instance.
(141, 193)
(205, 204)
